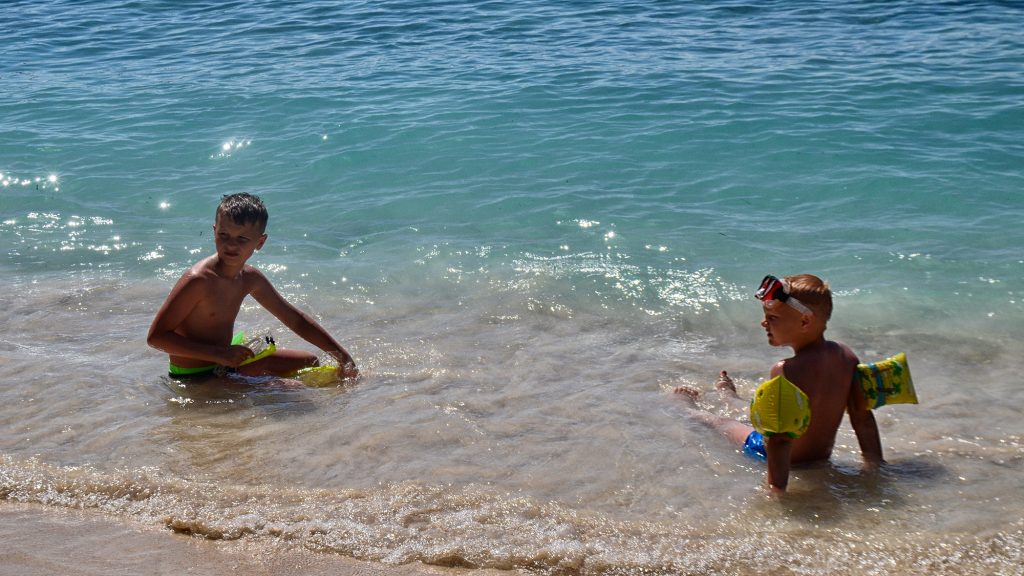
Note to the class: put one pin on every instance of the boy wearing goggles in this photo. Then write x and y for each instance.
(796, 311)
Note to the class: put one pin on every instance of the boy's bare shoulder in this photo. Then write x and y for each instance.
(203, 267)
(831, 357)
(844, 351)
(253, 275)
(200, 273)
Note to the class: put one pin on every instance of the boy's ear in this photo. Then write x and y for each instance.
(263, 240)
(806, 321)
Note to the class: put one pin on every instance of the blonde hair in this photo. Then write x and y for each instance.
(812, 291)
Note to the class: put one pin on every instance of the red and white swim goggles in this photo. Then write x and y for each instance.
(774, 289)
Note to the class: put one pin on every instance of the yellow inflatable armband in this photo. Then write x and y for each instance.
(779, 407)
(887, 382)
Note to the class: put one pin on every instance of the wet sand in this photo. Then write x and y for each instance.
(40, 541)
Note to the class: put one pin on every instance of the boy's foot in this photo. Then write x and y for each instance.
(725, 386)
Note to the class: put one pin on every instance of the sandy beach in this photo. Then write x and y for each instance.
(42, 541)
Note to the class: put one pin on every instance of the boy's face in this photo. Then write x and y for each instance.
(783, 323)
(236, 242)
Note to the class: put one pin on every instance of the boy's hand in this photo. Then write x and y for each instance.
(346, 365)
(235, 355)
(348, 370)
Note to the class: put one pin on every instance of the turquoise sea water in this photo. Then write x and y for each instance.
(528, 222)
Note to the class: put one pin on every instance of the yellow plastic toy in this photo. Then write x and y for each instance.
(887, 382)
(261, 346)
(313, 377)
(318, 376)
(779, 407)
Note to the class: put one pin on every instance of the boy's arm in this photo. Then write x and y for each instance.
(301, 323)
(179, 303)
(863, 421)
(778, 448)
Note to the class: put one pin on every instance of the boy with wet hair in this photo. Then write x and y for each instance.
(796, 311)
(194, 325)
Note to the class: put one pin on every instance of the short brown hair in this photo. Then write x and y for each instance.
(244, 208)
(812, 291)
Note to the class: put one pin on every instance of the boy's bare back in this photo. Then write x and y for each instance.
(824, 371)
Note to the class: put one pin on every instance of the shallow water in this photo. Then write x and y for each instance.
(528, 224)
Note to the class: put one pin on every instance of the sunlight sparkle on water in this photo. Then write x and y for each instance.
(41, 182)
(231, 146)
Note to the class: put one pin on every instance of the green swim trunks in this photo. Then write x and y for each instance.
(178, 372)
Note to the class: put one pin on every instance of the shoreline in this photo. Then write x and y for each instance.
(41, 541)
